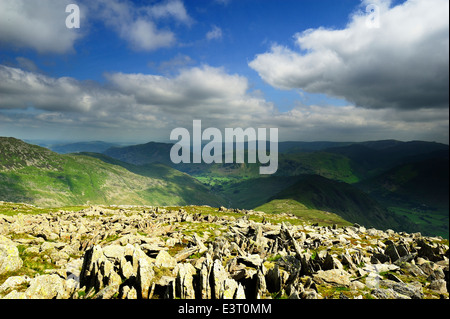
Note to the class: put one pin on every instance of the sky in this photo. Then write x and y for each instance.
(318, 70)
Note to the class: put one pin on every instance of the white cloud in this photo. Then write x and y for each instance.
(130, 100)
(171, 9)
(148, 107)
(402, 64)
(214, 34)
(350, 123)
(22, 89)
(39, 25)
(143, 35)
(138, 25)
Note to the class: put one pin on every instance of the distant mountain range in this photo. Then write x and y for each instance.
(385, 184)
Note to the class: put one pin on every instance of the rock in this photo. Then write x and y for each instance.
(254, 260)
(163, 259)
(163, 286)
(184, 287)
(108, 292)
(411, 290)
(337, 277)
(228, 289)
(389, 293)
(218, 277)
(392, 252)
(114, 252)
(240, 292)
(144, 277)
(439, 285)
(204, 277)
(14, 283)
(357, 285)
(261, 286)
(261, 258)
(393, 277)
(379, 258)
(9, 256)
(331, 262)
(273, 279)
(47, 287)
(428, 250)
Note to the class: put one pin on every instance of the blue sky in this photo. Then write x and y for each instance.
(135, 70)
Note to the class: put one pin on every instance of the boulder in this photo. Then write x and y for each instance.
(337, 277)
(184, 286)
(163, 259)
(14, 283)
(9, 256)
(218, 277)
(392, 252)
(144, 277)
(439, 285)
(47, 287)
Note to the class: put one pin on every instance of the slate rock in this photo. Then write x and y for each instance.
(9, 256)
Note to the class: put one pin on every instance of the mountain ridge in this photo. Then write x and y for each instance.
(33, 174)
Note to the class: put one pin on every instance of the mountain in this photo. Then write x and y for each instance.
(36, 175)
(418, 190)
(95, 146)
(141, 154)
(301, 147)
(345, 200)
(330, 165)
(372, 158)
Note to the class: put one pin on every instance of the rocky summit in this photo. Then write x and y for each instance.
(200, 252)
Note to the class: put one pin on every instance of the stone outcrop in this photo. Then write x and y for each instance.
(154, 252)
(9, 256)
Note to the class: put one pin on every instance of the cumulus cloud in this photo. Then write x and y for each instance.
(402, 64)
(148, 107)
(138, 25)
(21, 89)
(170, 9)
(199, 92)
(214, 34)
(135, 100)
(351, 123)
(39, 25)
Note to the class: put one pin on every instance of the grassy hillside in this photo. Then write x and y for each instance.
(353, 205)
(178, 185)
(304, 213)
(33, 174)
(329, 165)
(252, 192)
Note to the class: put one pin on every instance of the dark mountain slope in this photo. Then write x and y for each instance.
(345, 200)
